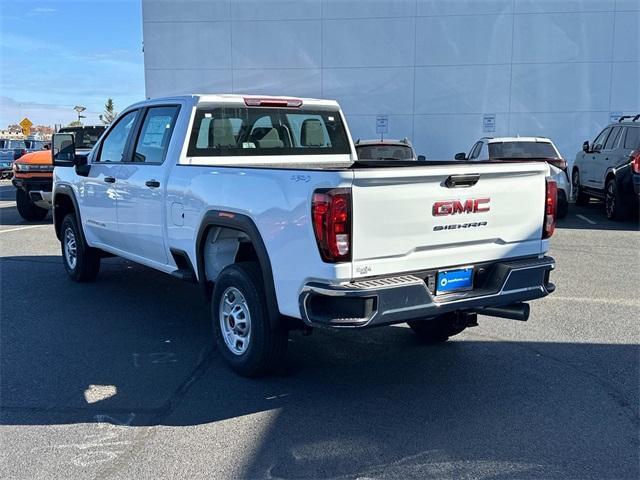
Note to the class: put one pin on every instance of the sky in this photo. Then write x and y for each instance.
(55, 54)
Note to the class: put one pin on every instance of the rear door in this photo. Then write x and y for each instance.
(410, 219)
(141, 182)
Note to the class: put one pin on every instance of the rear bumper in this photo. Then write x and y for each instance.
(386, 301)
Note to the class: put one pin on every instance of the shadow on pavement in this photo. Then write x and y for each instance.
(133, 348)
(594, 218)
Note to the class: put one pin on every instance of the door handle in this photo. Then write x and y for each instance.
(152, 183)
(457, 181)
(109, 179)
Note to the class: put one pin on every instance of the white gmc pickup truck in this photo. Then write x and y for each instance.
(263, 202)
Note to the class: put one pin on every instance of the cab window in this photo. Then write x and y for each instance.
(155, 134)
(114, 144)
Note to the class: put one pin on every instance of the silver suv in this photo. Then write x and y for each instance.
(603, 169)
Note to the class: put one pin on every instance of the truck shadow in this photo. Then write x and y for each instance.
(133, 348)
(592, 217)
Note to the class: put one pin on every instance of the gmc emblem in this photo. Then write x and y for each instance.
(453, 207)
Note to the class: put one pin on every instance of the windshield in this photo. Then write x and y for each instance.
(499, 150)
(85, 137)
(267, 131)
(384, 152)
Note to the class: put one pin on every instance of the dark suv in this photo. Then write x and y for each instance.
(605, 168)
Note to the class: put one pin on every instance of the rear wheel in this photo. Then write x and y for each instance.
(581, 197)
(27, 209)
(439, 329)
(243, 333)
(81, 262)
(614, 205)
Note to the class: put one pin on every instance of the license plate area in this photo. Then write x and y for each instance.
(454, 280)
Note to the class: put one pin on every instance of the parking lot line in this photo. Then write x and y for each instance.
(23, 228)
(588, 220)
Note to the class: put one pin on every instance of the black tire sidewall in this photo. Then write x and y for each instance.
(87, 260)
(581, 197)
(244, 277)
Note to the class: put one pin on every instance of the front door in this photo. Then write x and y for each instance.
(588, 172)
(98, 194)
(141, 186)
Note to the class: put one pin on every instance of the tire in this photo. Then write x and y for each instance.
(437, 330)
(81, 262)
(27, 209)
(563, 205)
(581, 197)
(242, 329)
(614, 205)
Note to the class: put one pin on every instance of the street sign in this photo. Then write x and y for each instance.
(489, 122)
(26, 125)
(382, 124)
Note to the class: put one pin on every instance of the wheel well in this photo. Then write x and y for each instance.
(62, 206)
(609, 176)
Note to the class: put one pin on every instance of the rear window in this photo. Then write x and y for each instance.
(239, 131)
(508, 150)
(632, 139)
(384, 152)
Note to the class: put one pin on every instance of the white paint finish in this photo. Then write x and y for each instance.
(185, 10)
(163, 82)
(368, 42)
(485, 40)
(400, 126)
(557, 6)
(627, 37)
(187, 45)
(442, 136)
(281, 44)
(464, 7)
(281, 81)
(560, 87)
(563, 37)
(462, 89)
(625, 87)
(387, 90)
(276, 9)
(340, 9)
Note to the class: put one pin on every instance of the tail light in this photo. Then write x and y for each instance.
(635, 161)
(560, 163)
(331, 215)
(550, 208)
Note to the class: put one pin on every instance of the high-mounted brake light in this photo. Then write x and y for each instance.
(331, 216)
(272, 102)
(635, 161)
(550, 208)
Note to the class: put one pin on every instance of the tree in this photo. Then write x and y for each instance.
(75, 123)
(109, 114)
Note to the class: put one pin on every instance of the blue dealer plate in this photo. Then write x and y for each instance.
(454, 280)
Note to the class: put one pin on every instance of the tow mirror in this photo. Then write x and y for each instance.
(585, 146)
(461, 156)
(63, 150)
(422, 158)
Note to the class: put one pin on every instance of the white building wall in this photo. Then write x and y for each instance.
(556, 68)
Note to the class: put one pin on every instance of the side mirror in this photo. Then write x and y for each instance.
(585, 146)
(422, 158)
(63, 150)
(461, 156)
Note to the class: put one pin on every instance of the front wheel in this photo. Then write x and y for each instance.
(27, 209)
(581, 197)
(439, 329)
(243, 333)
(81, 262)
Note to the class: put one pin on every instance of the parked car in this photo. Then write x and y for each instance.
(529, 149)
(605, 168)
(387, 150)
(263, 203)
(33, 173)
(10, 150)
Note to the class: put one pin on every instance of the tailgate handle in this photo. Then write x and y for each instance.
(461, 181)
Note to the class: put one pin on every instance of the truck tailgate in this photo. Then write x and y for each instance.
(395, 227)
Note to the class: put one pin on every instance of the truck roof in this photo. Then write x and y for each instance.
(518, 139)
(237, 98)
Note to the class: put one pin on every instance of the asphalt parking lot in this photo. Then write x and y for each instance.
(118, 379)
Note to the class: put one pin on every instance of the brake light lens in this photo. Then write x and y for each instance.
(560, 163)
(272, 102)
(331, 216)
(550, 208)
(635, 161)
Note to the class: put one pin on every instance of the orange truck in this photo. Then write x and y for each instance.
(33, 173)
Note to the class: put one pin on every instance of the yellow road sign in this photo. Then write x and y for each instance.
(26, 125)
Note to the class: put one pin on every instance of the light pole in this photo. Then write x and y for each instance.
(79, 109)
